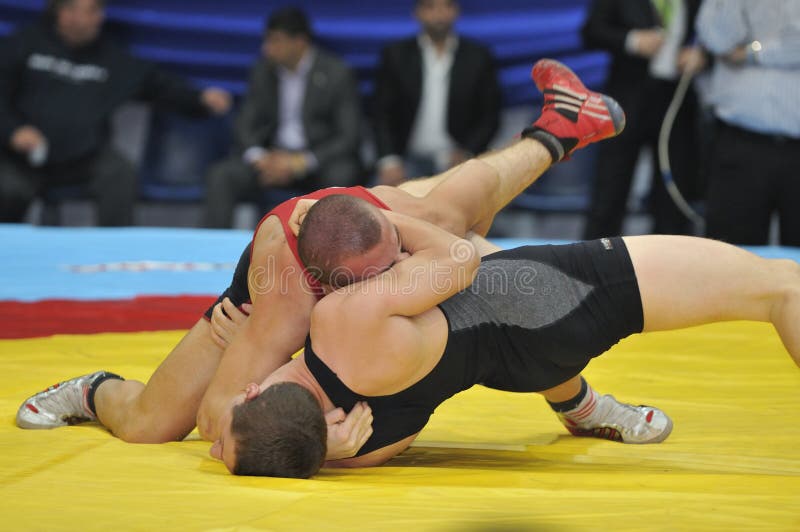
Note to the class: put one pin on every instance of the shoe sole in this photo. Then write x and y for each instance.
(612, 434)
(615, 112)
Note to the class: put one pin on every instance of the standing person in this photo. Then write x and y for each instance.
(437, 100)
(60, 82)
(298, 127)
(755, 88)
(650, 46)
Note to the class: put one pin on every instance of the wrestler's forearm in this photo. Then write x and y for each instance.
(243, 367)
(440, 265)
(419, 236)
(266, 341)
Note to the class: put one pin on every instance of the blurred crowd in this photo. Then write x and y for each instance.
(733, 148)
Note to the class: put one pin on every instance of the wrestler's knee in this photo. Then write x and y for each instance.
(437, 213)
(451, 220)
(785, 274)
(791, 270)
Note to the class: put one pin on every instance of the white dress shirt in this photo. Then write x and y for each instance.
(429, 136)
(291, 134)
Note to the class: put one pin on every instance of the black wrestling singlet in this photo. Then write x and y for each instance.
(533, 318)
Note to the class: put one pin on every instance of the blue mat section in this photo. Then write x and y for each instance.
(101, 263)
(96, 263)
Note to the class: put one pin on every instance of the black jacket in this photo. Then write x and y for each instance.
(474, 96)
(607, 26)
(69, 94)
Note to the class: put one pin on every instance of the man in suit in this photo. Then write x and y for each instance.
(437, 100)
(298, 128)
(649, 45)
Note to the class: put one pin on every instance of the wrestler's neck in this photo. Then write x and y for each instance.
(296, 371)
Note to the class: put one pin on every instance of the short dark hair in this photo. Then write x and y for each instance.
(291, 20)
(336, 227)
(280, 433)
(53, 6)
(417, 3)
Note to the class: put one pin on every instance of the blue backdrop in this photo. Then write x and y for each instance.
(214, 42)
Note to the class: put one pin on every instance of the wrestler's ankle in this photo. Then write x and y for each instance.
(554, 146)
(94, 385)
(579, 408)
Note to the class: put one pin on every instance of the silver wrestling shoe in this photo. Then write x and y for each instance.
(61, 404)
(612, 420)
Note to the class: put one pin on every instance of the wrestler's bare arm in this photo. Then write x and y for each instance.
(276, 328)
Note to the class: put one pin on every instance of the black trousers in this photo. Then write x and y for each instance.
(751, 177)
(109, 178)
(645, 105)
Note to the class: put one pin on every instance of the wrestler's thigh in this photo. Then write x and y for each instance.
(172, 396)
(686, 281)
(420, 187)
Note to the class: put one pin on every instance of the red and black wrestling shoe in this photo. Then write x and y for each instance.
(572, 115)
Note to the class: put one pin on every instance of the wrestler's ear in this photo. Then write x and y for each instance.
(251, 391)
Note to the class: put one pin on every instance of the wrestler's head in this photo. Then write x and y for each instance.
(280, 432)
(77, 22)
(344, 239)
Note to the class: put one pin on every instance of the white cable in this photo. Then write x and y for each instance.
(663, 152)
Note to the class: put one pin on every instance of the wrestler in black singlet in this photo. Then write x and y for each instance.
(533, 318)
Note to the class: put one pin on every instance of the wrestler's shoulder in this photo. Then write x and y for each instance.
(270, 231)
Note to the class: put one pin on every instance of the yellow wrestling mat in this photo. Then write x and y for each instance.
(487, 461)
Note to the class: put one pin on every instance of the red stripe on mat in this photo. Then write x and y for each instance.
(61, 316)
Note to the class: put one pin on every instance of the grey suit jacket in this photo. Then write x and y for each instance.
(331, 112)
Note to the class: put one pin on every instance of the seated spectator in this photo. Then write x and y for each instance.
(437, 100)
(299, 124)
(60, 82)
